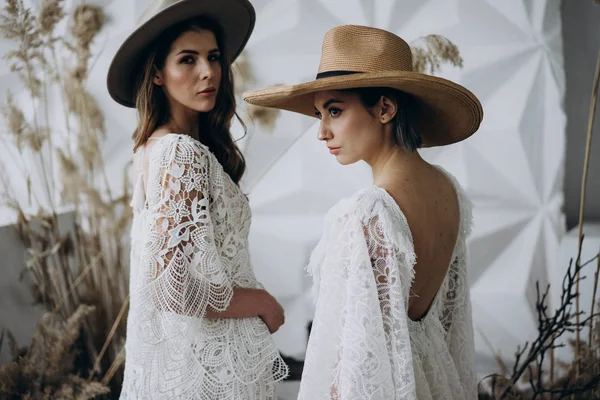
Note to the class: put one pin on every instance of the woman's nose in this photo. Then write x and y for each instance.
(206, 71)
(323, 133)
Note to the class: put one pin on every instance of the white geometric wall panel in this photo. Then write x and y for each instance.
(512, 168)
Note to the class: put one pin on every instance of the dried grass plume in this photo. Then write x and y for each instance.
(47, 368)
(88, 20)
(431, 51)
(244, 80)
(51, 13)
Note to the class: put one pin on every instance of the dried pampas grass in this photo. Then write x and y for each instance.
(265, 117)
(19, 24)
(431, 51)
(83, 265)
(45, 369)
(51, 13)
(88, 20)
(244, 80)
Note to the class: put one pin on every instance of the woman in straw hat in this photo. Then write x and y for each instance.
(199, 323)
(393, 314)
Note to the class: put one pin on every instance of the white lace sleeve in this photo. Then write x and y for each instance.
(458, 323)
(189, 252)
(365, 276)
(189, 276)
(456, 314)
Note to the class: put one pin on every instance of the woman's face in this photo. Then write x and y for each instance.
(351, 132)
(191, 74)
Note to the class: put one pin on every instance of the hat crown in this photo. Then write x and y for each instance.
(356, 48)
(154, 8)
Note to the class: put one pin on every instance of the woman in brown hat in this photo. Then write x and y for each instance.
(393, 314)
(199, 323)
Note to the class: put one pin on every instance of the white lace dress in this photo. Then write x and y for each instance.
(362, 344)
(189, 250)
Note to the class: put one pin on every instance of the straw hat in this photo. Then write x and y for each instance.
(236, 17)
(358, 56)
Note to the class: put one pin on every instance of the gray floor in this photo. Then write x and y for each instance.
(288, 390)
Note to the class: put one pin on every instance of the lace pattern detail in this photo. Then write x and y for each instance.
(362, 344)
(189, 250)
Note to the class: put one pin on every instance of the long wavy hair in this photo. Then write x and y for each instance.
(214, 126)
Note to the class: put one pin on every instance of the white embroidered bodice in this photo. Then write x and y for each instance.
(189, 250)
(362, 343)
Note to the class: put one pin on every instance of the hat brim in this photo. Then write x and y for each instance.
(236, 17)
(447, 112)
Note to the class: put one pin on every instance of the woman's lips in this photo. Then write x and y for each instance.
(209, 91)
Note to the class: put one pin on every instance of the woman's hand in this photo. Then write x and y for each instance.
(247, 303)
(272, 313)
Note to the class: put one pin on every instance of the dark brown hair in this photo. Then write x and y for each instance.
(404, 123)
(153, 106)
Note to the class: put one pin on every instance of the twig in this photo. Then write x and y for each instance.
(64, 100)
(77, 281)
(552, 361)
(51, 162)
(550, 328)
(594, 299)
(109, 338)
(586, 162)
(593, 383)
(119, 360)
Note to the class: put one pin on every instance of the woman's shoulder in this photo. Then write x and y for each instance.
(178, 140)
(180, 147)
(375, 210)
(363, 205)
(464, 203)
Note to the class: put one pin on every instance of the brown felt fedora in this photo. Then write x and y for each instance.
(236, 17)
(356, 56)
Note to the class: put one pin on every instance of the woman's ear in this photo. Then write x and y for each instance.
(388, 109)
(158, 78)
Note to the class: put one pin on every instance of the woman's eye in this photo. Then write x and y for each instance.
(214, 57)
(318, 114)
(187, 60)
(334, 112)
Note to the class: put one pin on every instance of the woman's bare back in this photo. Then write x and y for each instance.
(429, 201)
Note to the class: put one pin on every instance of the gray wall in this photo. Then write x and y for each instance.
(16, 311)
(581, 41)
